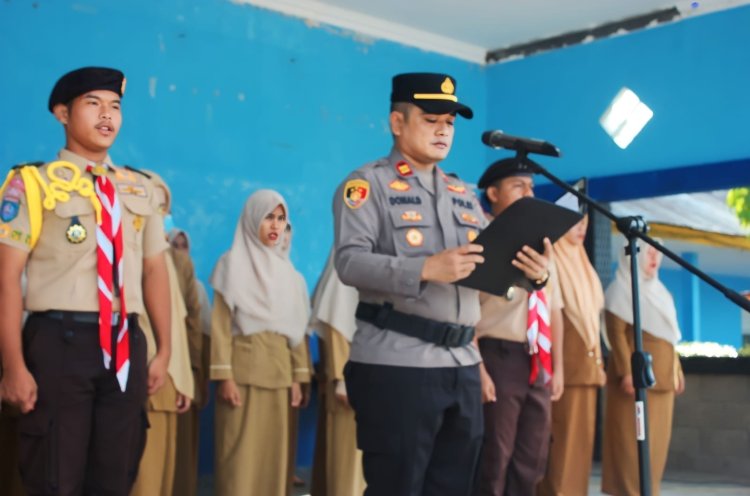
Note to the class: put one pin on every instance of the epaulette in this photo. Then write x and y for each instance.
(133, 169)
(24, 164)
(453, 175)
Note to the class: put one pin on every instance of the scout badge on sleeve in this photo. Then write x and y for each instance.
(356, 193)
(12, 199)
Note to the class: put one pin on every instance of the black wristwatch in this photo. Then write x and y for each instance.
(541, 282)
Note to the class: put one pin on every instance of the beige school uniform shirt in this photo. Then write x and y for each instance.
(508, 319)
(62, 275)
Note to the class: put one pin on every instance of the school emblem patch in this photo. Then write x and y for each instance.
(399, 185)
(414, 237)
(356, 193)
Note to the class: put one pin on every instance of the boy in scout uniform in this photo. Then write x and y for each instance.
(516, 385)
(403, 236)
(92, 243)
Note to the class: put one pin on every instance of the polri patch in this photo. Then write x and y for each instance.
(356, 193)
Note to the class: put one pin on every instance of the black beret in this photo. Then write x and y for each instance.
(503, 168)
(77, 82)
(433, 93)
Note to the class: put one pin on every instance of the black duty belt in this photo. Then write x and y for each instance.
(441, 333)
(80, 317)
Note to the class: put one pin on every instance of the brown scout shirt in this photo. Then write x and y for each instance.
(62, 275)
(507, 319)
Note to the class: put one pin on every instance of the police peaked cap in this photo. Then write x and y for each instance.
(81, 81)
(433, 93)
(501, 169)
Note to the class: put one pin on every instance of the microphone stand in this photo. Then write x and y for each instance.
(635, 228)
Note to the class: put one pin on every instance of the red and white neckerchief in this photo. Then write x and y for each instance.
(109, 265)
(539, 337)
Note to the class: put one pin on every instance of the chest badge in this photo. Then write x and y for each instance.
(404, 169)
(456, 188)
(399, 185)
(76, 233)
(414, 237)
(356, 193)
(138, 223)
(471, 219)
(471, 235)
(411, 215)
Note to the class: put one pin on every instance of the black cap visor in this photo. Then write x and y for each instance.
(440, 107)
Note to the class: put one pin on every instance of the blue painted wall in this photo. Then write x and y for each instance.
(693, 74)
(223, 99)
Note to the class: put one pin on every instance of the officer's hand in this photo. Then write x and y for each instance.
(533, 264)
(489, 395)
(558, 386)
(19, 388)
(183, 403)
(157, 373)
(452, 265)
(296, 395)
(229, 392)
(626, 384)
(341, 395)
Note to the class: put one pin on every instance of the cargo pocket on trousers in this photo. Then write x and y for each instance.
(139, 446)
(38, 451)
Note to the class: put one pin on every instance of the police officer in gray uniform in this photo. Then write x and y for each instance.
(403, 237)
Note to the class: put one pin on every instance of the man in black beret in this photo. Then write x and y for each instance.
(404, 232)
(94, 259)
(517, 399)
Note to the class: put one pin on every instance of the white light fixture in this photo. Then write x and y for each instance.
(625, 117)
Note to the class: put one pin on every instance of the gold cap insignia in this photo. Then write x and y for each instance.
(122, 87)
(447, 86)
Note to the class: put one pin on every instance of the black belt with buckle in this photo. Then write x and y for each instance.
(80, 317)
(441, 333)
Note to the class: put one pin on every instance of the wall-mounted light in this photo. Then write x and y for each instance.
(625, 117)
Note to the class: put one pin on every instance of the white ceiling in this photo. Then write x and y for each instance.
(468, 29)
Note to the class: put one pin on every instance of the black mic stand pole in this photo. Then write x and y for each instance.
(634, 228)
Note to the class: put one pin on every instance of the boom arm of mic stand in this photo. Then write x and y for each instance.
(625, 225)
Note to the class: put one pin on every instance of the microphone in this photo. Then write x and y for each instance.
(498, 139)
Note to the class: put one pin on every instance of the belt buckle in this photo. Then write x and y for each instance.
(381, 317)
(452, 336)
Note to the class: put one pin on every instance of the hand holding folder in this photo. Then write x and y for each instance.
(526, 222)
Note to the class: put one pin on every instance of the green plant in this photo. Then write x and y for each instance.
(744, 351)
(739, 200)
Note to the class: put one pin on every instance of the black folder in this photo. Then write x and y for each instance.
(525, 222)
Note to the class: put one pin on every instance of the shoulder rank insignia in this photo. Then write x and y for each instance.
(356, 193)
(411, 215)
(404, 169)
(457, 188)
(399, 185)
(133, 169)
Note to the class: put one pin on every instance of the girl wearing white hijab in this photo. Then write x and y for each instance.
(258, 351)
(660, 334)
(574, 414)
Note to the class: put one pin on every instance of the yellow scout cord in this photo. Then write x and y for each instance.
(59, 189)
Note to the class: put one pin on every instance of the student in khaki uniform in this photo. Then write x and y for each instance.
(574, 414)
(517, 404)
(258, 351)
(156, 475)
(188, 423)
(660, 334)
(71, 223)
(334, 305)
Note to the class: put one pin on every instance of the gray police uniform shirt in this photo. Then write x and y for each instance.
(387, 222)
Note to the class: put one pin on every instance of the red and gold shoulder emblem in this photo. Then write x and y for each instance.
(356, 193)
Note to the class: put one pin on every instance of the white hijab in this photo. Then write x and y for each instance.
(334, 303)
(658, 313)
(259, 283)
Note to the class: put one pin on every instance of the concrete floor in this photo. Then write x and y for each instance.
(674, 484)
